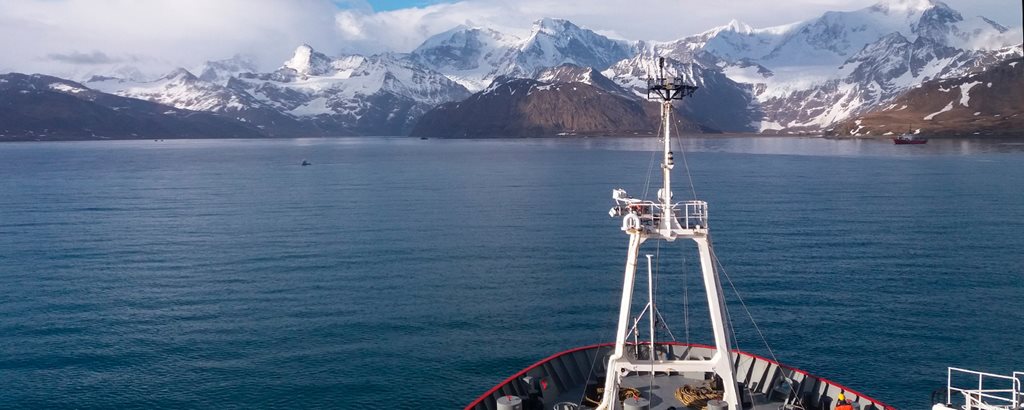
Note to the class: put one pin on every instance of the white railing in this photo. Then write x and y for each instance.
(647, 215)
(690, 214)
(696, 212)
(980, 397)
(1019, 378)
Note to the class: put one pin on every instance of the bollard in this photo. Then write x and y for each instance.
(510, 403)
(636, 403)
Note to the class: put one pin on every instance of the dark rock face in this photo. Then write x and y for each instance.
(39, 107)
(721, 104)
(718, 104)
(571, 73)
(531, 108)
(984, 103)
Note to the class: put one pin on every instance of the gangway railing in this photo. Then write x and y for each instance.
(985, 396)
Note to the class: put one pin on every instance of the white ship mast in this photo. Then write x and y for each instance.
(664, 220)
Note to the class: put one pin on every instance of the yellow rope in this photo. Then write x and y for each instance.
(624, 393)
(697, 397)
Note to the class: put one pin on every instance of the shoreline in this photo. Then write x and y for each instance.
(1019, 137)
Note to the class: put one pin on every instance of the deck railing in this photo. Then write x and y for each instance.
(1007, 393)
(761, 375)
(696, 212)
(1019, 378)
(690, 214)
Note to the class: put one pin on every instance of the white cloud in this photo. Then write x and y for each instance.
(160, 33)
(663, 20)
(69, 36)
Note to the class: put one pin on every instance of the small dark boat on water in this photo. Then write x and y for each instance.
(908, 139)
(306, 163)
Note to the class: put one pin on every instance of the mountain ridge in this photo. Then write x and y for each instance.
(803, 77)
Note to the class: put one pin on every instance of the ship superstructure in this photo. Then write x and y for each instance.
(661, 375)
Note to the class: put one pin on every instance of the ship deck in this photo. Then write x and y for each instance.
(569, 380)
(660, 392)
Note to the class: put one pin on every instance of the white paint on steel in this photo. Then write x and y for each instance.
(666, 169)
(982, 397)
(650, 304)
(611, 384)
(644, 220)
(722, 360)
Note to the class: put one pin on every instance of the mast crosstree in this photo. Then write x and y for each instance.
(666, 220)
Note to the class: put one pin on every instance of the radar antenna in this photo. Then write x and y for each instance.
(667, 89)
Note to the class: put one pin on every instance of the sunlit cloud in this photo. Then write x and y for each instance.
(154, 35)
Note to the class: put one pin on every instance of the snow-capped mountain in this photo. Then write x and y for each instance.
(809, 75)
(309, 94)
(570, 100)
(308, 62)
(40, 107)
(836, 36)
(554, 41)
(719, 102)
(982, 103)
(380, 94)
(181, 89)
(471, 56)
(475, 56)
(221, 71)
(801, 77)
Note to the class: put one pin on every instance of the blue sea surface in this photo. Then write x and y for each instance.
(401, 273)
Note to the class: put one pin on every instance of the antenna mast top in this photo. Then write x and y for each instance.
(667, 89)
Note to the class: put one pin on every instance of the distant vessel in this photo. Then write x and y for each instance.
(306, 163)
(974, 390)
(909, 138)
(637, 374)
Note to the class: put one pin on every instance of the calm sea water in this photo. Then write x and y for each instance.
(417, 274)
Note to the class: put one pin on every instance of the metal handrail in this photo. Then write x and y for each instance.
(691, 211)
(1019, 394)
(697, 210)
(972, 397)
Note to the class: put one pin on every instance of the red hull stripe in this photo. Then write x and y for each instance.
(570, 351)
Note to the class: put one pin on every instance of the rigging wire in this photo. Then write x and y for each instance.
(686, 164)
(718, 263)
(593, 365)
(654, 294)
(660, 321)
(650, 170)
(686, 299)
(742, 303)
